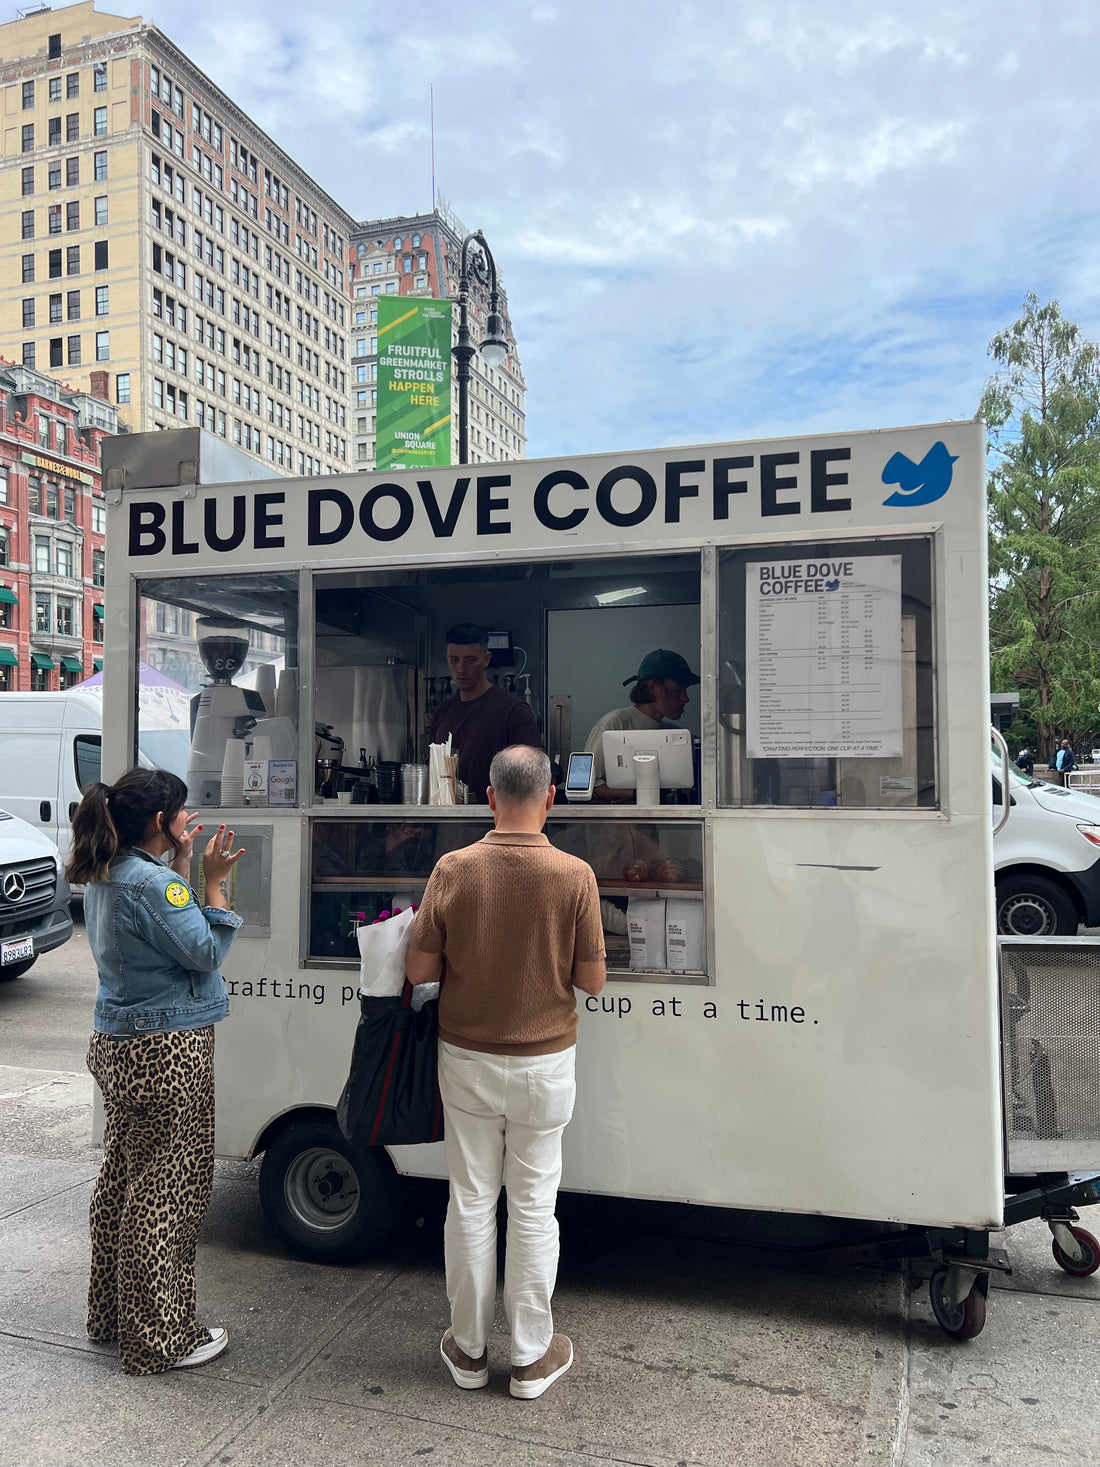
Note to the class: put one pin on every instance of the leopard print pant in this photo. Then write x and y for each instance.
(151, 1194)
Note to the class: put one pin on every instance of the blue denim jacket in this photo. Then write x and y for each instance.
(157, 951)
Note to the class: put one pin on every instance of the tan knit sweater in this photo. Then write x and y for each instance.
(511, 915)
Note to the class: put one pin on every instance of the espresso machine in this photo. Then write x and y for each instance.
(221, 711)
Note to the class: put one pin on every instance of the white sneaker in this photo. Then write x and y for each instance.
(216, 1341)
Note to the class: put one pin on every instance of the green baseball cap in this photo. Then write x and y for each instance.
(663, 664)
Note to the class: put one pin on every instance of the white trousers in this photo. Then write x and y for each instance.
(504, 1115)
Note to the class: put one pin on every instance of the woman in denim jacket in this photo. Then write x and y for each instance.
(160, 994)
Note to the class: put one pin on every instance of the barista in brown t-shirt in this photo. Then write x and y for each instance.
(481, 718)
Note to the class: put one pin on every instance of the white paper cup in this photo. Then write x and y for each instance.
(344, 796)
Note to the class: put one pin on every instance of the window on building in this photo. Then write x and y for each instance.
(3, 486)
(42, 558)
(53, 125)
(101, 253)
(28, 137)
(72, 84)
(28, 268)
(74, 351)
(28, 223)
(99, 568)
(100, 122)
(51, 489)
(97, 623)
(28, 311)
(72, 260)
(99, 519)
(28, 94)
(101, 210)
(102, 346)
(99, 74)
(72, 303)
(55, 264)
(72, 172)
(55, 307)
(28, 354)
(99, 171)
(53, 46)
(102, 307)
(64, 558)
(34, 494)
(53, 175)
(64, 622)
(72, 214)
(122, 387)
(28, 181)
(3, 547)
(55, 218)
(57, 357)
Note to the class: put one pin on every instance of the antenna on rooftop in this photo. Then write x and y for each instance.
(431, 112)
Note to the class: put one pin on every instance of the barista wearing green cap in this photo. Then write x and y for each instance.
(657, 699)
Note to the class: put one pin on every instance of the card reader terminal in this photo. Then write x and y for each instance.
(580, 777)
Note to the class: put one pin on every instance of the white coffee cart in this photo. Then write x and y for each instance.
(831, 1041)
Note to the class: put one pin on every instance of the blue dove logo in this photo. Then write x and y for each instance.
(832, 585)
(921, 483)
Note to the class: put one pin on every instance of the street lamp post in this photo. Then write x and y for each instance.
(477, 265)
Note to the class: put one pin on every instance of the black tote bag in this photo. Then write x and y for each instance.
(392, 1093)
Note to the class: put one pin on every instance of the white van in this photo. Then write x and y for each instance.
(34, 896)
(50, 751)
(1046, 858)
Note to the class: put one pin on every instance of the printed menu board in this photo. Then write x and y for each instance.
(823, 658)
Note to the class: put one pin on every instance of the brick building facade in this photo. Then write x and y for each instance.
(52, 520)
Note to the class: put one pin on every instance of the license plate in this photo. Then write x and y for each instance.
(16, 951)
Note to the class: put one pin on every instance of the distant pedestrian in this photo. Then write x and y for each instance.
(512, 926)
(152, 1054)
(1025, 761)
(1064, 761)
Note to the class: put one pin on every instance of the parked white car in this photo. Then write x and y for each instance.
(1046, 858)
(34, 896)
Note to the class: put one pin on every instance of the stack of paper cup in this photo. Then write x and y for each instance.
(233, 773)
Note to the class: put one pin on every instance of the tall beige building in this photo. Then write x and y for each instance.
(150, 229)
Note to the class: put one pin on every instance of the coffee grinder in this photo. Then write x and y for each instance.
(221, 711)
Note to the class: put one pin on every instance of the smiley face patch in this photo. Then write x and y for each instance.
(177, 894)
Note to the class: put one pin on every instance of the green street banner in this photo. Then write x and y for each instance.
(414, 383)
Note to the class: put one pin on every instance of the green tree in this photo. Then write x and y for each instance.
(1043, 412)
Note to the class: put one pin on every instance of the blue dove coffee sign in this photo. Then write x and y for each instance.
(645, 496)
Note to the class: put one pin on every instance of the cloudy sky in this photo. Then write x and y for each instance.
(715, 220)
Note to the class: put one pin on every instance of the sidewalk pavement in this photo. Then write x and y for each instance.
(697, 1345)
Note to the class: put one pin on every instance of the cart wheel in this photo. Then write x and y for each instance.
(964, 1320)
(1089, 1246)
(331, 1200)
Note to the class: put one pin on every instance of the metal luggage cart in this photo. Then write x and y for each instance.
(1050, 1051)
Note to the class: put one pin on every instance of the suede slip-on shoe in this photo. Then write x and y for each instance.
(468, 1373)
(216, 1341)
(530, 1381)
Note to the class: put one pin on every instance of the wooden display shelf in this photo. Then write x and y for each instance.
(647, 888)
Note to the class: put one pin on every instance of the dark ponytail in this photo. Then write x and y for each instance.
(111, 817)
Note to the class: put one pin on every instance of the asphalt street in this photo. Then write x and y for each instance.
(699, 1340)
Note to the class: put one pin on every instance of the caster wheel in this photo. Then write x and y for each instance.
(964, 1320)
(1080, 1269)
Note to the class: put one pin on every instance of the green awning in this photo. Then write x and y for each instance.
(8, 657)
(97, 663)
(8, 595)
(72, 664)
(42, 662)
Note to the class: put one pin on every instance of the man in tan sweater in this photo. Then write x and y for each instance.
(511, 926)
